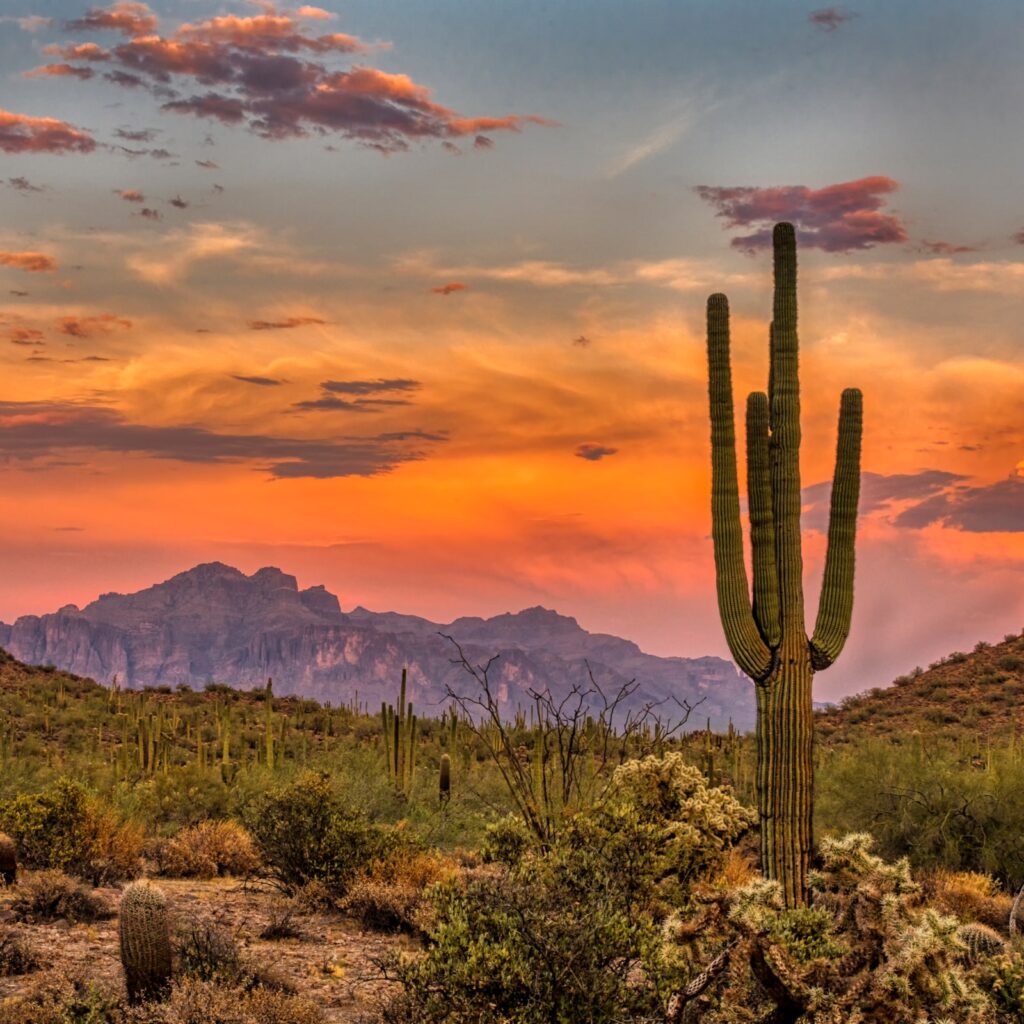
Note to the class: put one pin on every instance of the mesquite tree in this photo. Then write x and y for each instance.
(766, 631)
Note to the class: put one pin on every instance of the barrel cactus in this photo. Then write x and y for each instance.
(765, 630)
(8, 859)
(145, 934)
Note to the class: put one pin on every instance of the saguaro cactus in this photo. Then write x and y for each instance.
(766, 631)
(145, 942)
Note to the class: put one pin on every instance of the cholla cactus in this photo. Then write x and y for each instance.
(145, 936)
(8, 859)
(701, 822)
(867, 950)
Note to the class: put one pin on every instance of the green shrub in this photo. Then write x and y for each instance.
(306, 833)
(574, 932)
(67, 828)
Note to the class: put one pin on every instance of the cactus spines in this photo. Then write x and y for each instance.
(8, 859)
(145, 935)
(444, 783)
(765, 628)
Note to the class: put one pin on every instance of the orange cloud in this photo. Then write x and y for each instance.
(33, 262)
(447, 289)
(130, 19)
(131, 195)
(60, 71)
(244, 69)
(283, 325)
(20, 133)
(87, 326)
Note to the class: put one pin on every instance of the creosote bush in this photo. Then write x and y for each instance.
(307, 833)
(67, 828)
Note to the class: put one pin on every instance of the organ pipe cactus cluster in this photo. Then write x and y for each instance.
(765, 630)
(145, 935)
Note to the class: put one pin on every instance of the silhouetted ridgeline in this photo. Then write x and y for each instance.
(215, 624)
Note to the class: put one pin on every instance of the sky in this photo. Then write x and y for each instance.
(408, 299)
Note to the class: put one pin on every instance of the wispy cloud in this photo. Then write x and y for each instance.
(828, 19)
(33, 262)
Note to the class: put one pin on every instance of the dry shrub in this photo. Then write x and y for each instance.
(389, 896)
(737, 870)
(970, 897)
(17, 954)
(313, 898)
(49, 895)
(209, 849)
(51, 997)
(281, 924)
(208, 1002)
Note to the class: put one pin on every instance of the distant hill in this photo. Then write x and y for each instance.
(215, 624)
(977, 694)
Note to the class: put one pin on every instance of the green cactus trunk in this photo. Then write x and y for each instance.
(765, 629)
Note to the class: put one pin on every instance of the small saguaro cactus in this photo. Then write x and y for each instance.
(400, 740)
(8, 859)
(766, 632)
(145, 935)
(444, 784)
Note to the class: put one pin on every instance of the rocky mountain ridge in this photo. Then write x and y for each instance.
(213, 623)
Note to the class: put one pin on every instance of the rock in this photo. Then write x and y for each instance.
(215, 624)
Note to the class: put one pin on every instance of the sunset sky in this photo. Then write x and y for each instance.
(407, 298)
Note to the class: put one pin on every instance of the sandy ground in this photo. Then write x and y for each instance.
(331, 963)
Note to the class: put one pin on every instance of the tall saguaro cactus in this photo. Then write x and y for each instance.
(765, 630)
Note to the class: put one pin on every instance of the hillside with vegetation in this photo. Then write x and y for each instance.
(972, 696)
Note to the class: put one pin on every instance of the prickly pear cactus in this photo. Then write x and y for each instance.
(145, 936)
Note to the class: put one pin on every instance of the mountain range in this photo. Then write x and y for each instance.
(213, 623)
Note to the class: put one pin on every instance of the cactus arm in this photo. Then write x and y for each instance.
(762, 531)
(785, 438)
(836, 604)
(750, 651)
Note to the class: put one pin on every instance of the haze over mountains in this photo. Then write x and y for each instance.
(213, 623)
